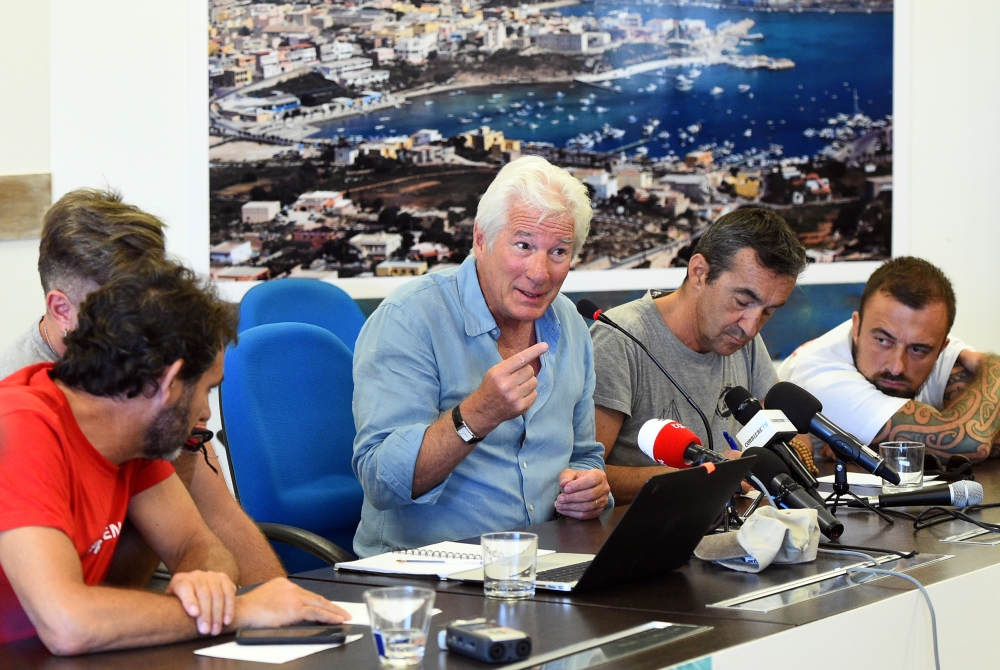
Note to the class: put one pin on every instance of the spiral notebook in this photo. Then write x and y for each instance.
(434, 560)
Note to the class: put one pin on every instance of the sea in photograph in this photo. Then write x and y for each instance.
(834, 54)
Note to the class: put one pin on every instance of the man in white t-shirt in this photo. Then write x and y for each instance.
(892, 372)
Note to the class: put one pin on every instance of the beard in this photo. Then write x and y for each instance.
(909, 391)
(166, 435)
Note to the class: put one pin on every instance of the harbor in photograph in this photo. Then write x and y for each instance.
(366, 150)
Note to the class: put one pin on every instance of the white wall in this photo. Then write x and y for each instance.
(124, 117)
(129, 109)
(954, 155)
(24, 149)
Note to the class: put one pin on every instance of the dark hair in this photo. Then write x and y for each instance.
(913, 282)
(91, 235)
(135, 326)
(774, 242)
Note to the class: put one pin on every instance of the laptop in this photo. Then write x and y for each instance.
(657, 534)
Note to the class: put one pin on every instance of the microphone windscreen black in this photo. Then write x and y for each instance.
(587, 309)
(767, 467)
(735, 398)
(798, 404)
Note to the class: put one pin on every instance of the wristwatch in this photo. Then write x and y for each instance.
(462, 428)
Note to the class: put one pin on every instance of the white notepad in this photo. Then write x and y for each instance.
(440, 560)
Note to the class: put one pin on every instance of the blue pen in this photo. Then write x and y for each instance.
(731, 441)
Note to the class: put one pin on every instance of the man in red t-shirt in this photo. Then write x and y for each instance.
(87, 441)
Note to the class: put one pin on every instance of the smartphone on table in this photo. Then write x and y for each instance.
(291, 635)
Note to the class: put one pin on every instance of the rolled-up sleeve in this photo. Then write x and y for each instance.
(396, 387)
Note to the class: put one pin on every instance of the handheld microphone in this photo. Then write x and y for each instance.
(669, 443)
(803, 409)
(589, 310)
(957, 494)
(788, 493)
(769, 428)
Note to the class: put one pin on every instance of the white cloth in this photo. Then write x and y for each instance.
(825, 368)
(769, 536)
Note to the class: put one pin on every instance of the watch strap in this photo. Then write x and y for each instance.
(462, 428)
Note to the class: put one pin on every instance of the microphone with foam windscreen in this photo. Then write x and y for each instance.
(670, 443)
(589, 310)
(769, 428)
(788, 493)
(957, 494)
(803, 409)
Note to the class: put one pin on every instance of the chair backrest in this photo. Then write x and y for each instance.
(304, 301)
(286, 408)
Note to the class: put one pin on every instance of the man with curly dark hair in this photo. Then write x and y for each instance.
(90, 237)
(86, 441)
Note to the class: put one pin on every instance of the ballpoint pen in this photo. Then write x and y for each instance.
(731, 441)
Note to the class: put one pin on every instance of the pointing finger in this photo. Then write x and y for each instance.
(527, 356)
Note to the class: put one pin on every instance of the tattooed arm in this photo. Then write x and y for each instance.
(968, 425)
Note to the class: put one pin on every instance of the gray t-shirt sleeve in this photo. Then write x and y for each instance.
(616, 370)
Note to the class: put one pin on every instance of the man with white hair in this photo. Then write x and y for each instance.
(473, 395)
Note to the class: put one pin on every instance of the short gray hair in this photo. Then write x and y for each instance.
(540, 185)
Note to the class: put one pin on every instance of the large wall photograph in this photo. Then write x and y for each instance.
(353, 140)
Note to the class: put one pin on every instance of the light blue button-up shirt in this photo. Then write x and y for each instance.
(424, 350)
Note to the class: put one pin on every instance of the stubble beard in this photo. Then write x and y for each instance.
(166, 435)
(909, 392)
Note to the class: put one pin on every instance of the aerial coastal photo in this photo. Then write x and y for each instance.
(355, 138)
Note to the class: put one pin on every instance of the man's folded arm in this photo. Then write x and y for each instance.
(167, 517)
(255, 559)
(969, 425)
(73, 618)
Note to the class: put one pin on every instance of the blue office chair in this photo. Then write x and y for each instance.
(304, 301)
(286, 410)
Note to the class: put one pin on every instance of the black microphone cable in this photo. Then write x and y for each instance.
(589, 310)
(932, 516)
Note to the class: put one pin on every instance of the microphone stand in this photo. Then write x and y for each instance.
(841, 489)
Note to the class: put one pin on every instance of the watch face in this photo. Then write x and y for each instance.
(465, 433)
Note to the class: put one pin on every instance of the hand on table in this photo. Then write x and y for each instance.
(279, 602)
(584, 493)
(207, 597)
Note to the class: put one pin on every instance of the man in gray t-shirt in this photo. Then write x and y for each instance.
(26, 350)
(705, 334)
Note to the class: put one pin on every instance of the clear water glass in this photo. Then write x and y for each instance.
(906, 458)
(400, 621)
(509, 562)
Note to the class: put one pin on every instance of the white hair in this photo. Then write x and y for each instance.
(540, 185)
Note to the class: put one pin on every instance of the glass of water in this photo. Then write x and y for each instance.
(400, 620)
(509, 561)
(906, 458)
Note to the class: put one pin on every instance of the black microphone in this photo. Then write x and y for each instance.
(589, 310)
(803, 410)
(788, 493)
(958, 494)
(769, 429)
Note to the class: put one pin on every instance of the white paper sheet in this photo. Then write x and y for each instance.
(359, 612)
(866, 479)
(269, 653)
(283, 653)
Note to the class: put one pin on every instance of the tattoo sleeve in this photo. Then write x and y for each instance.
(958, 381)
(968, 425)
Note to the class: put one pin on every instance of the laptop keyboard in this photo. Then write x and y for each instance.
(565, 574)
